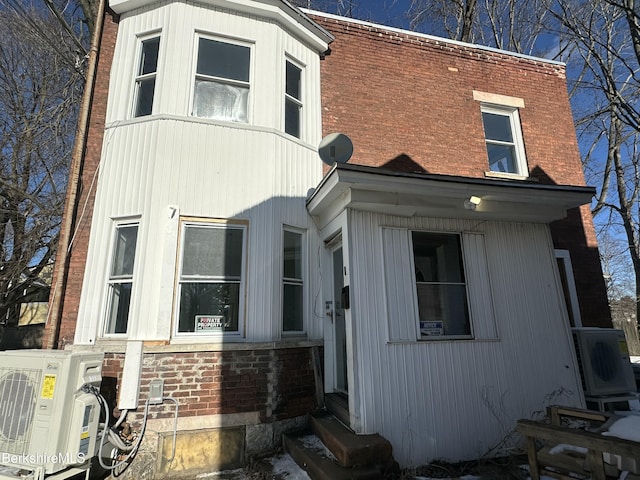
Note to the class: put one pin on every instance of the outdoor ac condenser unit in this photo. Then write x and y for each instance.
(47, 422)
(603, 358)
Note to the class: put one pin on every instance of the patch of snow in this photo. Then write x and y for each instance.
(312, 442)
(634, 359)
(627, 427)
(563, 448)
(285, 465)
(236, 473)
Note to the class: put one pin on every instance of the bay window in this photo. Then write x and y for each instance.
(292, 282)
(120, 283)
(222, 80)
(292, 99)
(145, 82)
(211, 278)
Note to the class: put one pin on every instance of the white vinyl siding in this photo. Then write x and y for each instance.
(181, 25)
(519, 336)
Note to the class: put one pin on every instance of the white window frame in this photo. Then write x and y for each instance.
(212, 223)
(516, 131)
(222, 80)
(113, 280)
(298, 102)
(139, 78)
(563, 258)
(302, 281)
(469, 307)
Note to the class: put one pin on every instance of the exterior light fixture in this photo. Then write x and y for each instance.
(472, 202)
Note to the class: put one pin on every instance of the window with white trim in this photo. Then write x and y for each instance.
(292, 281)
(443, 309)
(145, 81)
(211, 278)
(568, 284)
(222, 85)
(293, 99)
(120, 283)
(503, 137)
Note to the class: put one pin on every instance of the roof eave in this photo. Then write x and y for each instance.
(408, 194)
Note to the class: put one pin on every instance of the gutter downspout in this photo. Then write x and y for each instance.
(54, 318)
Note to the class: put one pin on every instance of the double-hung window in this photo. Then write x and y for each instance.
(222, 80)
(211, 278)
(503, 137)
(293, 99)
(443, 308)
(145, 82)
(120, 282)
(292, 282)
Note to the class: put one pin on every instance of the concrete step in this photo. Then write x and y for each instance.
(348, 448)
(314, 458)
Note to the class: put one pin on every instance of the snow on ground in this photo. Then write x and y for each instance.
(285, 465)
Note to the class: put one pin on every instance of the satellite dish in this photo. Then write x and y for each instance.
(335, 147)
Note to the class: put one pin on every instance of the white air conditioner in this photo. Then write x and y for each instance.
(603, 358)
(47, 422)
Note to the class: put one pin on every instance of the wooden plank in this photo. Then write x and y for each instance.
(555, 412)
(532, 455)
(596, 465)
(579, 438)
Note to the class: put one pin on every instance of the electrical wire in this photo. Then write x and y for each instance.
(114, 438)
(134, 448)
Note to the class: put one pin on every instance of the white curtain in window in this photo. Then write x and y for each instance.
(220, 101)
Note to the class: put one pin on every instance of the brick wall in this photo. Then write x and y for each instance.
(86, 191)
(278, 383)
(406, 102)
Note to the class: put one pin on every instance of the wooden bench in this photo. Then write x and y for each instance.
(540, 437)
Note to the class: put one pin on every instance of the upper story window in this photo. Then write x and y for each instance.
(504, 140)
(293, 99)
(443, 308)
(293, 283)
(120, 282)
(222, 80)
(211, 278)
(145, 82)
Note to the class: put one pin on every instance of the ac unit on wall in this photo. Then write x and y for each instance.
(603, 358)
(47, 423)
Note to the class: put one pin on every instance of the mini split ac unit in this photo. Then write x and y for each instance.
(603, 358)
(47, 422)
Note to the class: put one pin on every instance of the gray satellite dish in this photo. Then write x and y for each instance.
(335, 147)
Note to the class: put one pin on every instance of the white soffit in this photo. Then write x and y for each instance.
(280, 11)
(406, 194)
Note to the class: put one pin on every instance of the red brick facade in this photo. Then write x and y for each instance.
(407, 104)
(277, 383)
